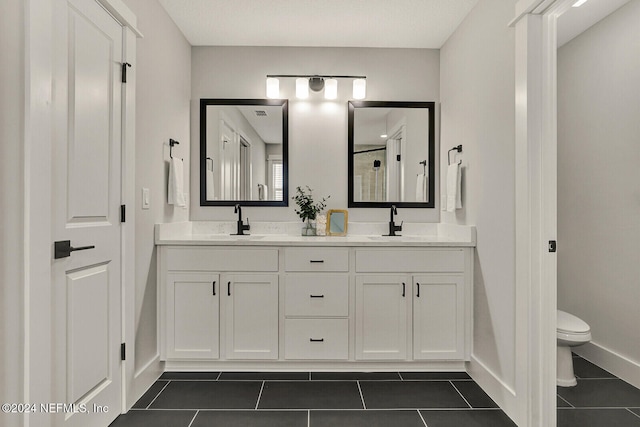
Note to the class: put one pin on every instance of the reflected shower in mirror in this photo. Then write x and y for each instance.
(391, 154)
(243, 152)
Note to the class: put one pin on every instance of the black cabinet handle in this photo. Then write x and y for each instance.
(316, 261)
(404, 285)
(229, 289)
(313, 340)
(214, 287)
(316, 296)
(418, 286)
(63, 249)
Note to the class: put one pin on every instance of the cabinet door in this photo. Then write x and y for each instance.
(382, 317)
(251, 305)
(438, 317)
(193, 318)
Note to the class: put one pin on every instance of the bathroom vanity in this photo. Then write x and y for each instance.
(280, 301)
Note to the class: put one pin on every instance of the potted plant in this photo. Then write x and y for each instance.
(308, 210)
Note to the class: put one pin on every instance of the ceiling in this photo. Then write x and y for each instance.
(321, 23)
(576, 20)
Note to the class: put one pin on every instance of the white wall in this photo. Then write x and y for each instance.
(478, 111)
(12, 72)
(317, 128)
(599, 185)
(163, 79)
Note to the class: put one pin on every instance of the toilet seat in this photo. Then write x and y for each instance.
(571, 325)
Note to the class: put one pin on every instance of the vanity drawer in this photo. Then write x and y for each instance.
(318, 339)
(316, 259)
(409, 260)
(220, 259)
(316, 295)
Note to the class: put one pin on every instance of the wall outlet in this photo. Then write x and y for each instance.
(146, 198)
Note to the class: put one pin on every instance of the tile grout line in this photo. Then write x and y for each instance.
(422, 418)
(194, 417)
(154, 399)
(566, 401)
(463, 398)
(364, 406)
(259, 395)
(309, 415)
(633, 412)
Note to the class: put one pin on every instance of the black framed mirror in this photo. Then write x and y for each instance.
(391, 154)
(244, 152)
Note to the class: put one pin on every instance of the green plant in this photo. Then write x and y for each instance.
(308, 210)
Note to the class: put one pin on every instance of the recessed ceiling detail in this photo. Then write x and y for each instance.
(318, 23)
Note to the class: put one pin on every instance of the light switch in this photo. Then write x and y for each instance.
(146, 198)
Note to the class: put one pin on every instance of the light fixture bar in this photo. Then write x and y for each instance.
(328, 76)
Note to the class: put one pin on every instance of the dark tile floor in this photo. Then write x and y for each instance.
(374, 399)
(599, 400)
(316, 399)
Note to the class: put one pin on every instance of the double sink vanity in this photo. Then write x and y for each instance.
(277, 300)
(274, 299)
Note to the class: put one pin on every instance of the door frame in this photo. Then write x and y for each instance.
(37, 307)
(536, 202)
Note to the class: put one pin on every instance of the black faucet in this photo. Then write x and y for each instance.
(392, 225)
(241, 226)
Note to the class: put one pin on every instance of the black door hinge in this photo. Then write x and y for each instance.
(124, 71)
(552, 245)
(123, 213)
(123, 351)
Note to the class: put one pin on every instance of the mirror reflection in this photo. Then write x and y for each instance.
(391, 146)
(243, 152)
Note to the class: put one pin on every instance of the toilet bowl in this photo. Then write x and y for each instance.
(571, 331)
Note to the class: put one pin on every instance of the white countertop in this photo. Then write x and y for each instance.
(279, 234)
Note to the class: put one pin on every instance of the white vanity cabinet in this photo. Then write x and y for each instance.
(315, 303)
(424, 313)
(218, 303)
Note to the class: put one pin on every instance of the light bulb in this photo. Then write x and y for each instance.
(359, 89)
(273, 87)
(330, 89)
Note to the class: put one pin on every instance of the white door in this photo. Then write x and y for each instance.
(251, 304)
(86, 196)
(383, 310)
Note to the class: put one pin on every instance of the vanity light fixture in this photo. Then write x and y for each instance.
(316, 83)
(579, 3)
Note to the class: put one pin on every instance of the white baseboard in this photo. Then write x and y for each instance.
(144, 378)
(498, 390)
(622, 367)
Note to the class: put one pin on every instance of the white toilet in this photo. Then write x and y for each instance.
(571, 332)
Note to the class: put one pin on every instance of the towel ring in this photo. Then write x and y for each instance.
(456, 148)
(172, 142)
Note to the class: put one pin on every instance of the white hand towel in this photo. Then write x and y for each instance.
(211, 191)
(175, 192)
(454, 178)
(421, 188)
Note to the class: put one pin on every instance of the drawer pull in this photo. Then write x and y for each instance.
(418, 286)
(404, 286)
(316, 261)
(316, 296)
(314, 340)
(229, 289)
(214, 287)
